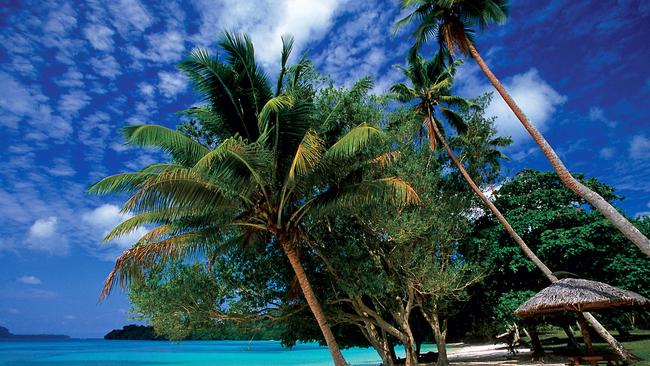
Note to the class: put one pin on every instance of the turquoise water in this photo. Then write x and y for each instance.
(150, 353)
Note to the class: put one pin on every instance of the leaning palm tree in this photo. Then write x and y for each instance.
(431, 83)
(451, 22)
(257, 185)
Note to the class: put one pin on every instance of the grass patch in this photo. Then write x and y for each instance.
(638, 343)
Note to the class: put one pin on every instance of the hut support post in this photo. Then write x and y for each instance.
(625, 354)
(585, 331)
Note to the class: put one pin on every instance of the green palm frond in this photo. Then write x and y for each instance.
(235, 162)
(454, 119)
(353, 142)
(287, 46)
(403, 93)
(167, 216)
(273, 105)
(456, 101)
(119, 183)
(360, 196)
(180, 189)
(182, 149)
(307, 156)
(130, 266)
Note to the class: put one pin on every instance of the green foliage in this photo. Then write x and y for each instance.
(188, 301)
(562, 230)
(451, 23)
(133, 332)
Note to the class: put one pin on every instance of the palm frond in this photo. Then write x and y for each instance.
(455, 120)
(185, 189)
(369, 193)
(119, 183)
(307, 156)
(182, 149)
(353, 142)
(273, 105)
(130, 266)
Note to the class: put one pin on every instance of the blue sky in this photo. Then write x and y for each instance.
(73, 73)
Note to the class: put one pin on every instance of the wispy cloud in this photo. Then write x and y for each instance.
(29, 280)
(538, 100)
(100, 36)
(170, 84)
(598, 115)
(639, 147)
(43, 236)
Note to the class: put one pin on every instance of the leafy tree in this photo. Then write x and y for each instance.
(269, 172)
(432, 87)
(563, 230)
(453, 24)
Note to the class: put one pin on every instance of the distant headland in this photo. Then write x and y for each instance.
(134, 332)
(6, 335)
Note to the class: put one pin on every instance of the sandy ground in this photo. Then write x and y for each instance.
(497, 354)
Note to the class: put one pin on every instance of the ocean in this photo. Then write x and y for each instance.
(99, 352)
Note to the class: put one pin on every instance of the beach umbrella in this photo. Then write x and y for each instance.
(578, 295)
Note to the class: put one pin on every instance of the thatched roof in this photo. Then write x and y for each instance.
(572, 294)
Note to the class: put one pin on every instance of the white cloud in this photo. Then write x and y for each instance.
(129, 16)
(598, 115)
(162, 47)
(43, 236)
(61, 168)
(71, 79)
(104, 218)
(100, 36)
(60, 22)
(607, 152)
(359, 46)
(536, 98)
(171, 84)
(265, 21)
(146, 89)
(73, 102)
(19, 103)
(29, 280)
(43, 228)
(640, 147)
(106, 66)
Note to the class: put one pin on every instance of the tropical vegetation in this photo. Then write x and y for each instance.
(294, 209)
(452, 24)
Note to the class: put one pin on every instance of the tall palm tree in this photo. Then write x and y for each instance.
(431, 87)
(452, 23)
(256, 186)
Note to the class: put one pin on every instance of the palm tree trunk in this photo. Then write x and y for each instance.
(312, 301)
(594, 199)
(625, 354)
(524, 247)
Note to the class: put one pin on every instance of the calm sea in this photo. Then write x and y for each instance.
(150, 353)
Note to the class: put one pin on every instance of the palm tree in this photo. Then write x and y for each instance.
(257, 185)
(431, 86)
(481, 150)
(451, 22)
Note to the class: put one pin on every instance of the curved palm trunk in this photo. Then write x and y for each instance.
(313, 303)
(625, 354)
(529, 253)
(612, 215)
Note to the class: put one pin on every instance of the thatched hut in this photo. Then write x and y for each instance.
(578, 295)
(572, 294)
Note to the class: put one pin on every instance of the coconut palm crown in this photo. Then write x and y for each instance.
(452, 23)
(431, 82)
(268, 172)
